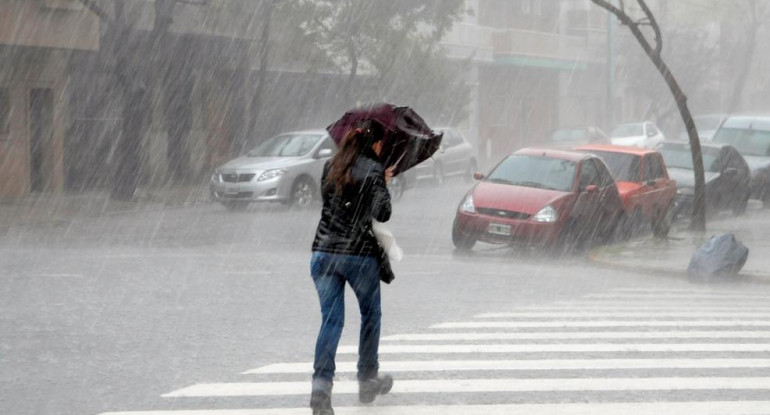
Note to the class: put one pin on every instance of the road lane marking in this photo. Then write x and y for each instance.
(669, 290)
(592, 307)
(620, 314)
(483, 385)
(641, 408)
(661, 296)
(603, 323)
(579, 335)
(563, 348)
(535, 365)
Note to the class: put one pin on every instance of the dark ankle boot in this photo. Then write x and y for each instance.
(369, 389)
(321, 397)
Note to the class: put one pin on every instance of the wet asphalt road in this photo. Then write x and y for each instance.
(108, 313)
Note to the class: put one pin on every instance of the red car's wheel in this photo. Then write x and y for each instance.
(661, 223)
(462, 240)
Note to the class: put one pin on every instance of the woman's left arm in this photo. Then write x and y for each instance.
(381, 208)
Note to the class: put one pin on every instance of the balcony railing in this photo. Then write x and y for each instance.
(472, 40)
(541, 45)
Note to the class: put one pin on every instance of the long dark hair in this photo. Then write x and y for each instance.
(355, 143)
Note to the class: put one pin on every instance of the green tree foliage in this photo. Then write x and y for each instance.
(390, 50)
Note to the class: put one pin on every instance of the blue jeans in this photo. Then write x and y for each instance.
(330, 272)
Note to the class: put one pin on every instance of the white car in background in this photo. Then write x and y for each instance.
(639, 134)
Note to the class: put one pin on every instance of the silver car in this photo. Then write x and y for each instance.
(286, 168)
(455, 158)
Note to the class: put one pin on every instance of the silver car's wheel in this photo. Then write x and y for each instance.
(302, 193)
(438, 173)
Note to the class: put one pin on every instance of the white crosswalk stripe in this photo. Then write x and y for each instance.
(704, 348)
(653, 408)
(580, 335)
(538, 364)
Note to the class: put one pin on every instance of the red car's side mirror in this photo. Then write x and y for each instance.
(478, 176)
(591, 188)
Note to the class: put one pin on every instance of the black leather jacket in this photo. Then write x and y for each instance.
(346, 218)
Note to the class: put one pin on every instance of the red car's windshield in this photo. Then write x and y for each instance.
(537, 172)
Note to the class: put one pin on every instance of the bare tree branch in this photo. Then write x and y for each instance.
(654, 24)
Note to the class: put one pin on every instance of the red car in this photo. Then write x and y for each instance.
(542, 197)
(645, 188)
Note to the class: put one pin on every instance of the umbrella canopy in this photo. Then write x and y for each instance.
(408, 139)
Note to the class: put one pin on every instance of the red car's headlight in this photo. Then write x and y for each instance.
(547, 214)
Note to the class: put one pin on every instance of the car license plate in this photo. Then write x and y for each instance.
(499, 229)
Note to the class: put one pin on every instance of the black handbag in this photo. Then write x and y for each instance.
(386, 272)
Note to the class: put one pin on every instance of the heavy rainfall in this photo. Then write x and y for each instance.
(203, 204)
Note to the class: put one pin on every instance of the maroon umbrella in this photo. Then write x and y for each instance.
(408, 140)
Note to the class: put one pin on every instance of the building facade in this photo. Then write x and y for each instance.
(38, 38)
(537, 65)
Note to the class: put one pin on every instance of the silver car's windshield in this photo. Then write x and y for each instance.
(627, 130)
(747, 142)
(679, 156)
(286, 145)
(538, 172)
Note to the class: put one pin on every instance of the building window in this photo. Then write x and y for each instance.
(5, 111)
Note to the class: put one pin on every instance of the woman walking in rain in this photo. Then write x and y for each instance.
(345, 250)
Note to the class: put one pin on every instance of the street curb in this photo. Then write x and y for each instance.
(595, 258)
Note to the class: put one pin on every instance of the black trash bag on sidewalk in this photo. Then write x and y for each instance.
(720, 258)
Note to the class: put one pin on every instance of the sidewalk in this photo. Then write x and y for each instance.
(60, 209)
(672, 256)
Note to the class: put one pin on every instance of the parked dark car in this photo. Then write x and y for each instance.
(750, 135)
(543, 197)
(726, 172)
(455, 158)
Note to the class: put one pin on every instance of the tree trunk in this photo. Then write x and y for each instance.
(698, 221)
(129, 85)
(353, 74)
(264, 49)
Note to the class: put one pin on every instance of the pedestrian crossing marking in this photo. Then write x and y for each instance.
(642, 408)
(621, 314)
(563, 348)
(672, 296)
(727, 319)
(625, 306)
(534, 365)
(602, 323)
(484, 385)
(579, 335)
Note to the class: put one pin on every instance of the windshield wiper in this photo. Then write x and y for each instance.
(499, 180)
(534, 184)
